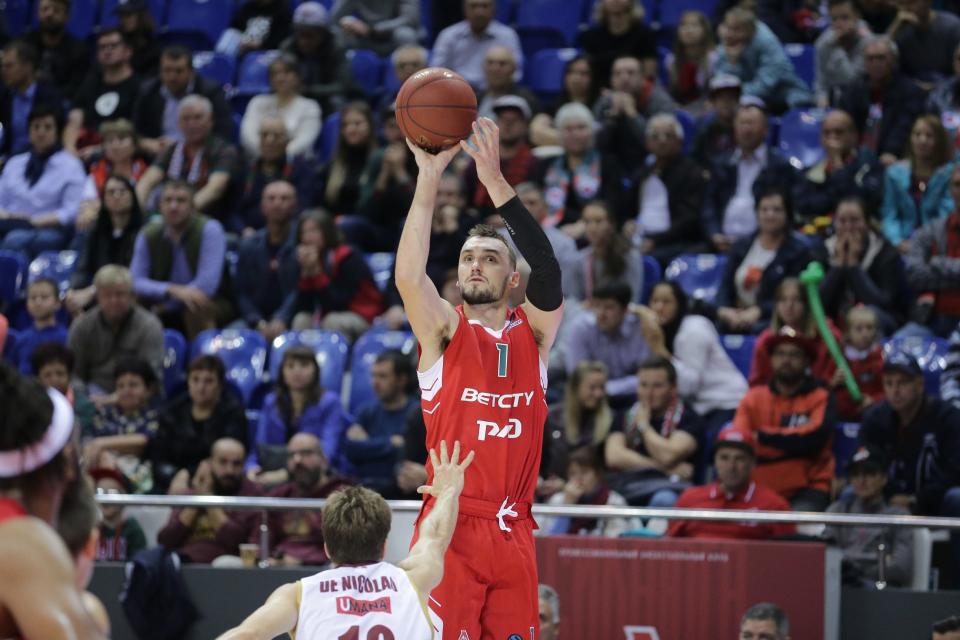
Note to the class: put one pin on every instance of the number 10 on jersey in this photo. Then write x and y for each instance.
(502, 349)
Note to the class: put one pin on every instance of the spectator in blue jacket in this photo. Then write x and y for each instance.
(375, 442)
(299, 404)
(43, 303)
(266, 287)
(915, 190)
(750, 51)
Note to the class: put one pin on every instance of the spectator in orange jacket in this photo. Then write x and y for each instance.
(734, 458)
(793, 420)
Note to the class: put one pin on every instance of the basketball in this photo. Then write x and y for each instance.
(436, 108)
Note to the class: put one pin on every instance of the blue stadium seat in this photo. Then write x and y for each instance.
(244, 354)
(253, 74)
(198, 22)
(20, 16)
(800, 136)
(327, 140)
(930, 354)
(534, 39)
(83, 17)
(652, 274)
(699, 275)
(506, 11)
(803, 57)
(689, 129)
(54, 265)
(158, 9)
(544, 72)
(13, 337)
(174, 359)
(331, 349)
(214, 66)
(365, 352)
(845, 443)
(740, 350)
(13, 271)
(562, 15)
(381, 264)
(366, 67)
(671, 11)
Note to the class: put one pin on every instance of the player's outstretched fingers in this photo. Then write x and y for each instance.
(434, 460)
(444, 458)
(466, 461)
(456, 453)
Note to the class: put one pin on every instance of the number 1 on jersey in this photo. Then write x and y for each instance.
(502, 359)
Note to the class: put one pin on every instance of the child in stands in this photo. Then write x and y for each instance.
(43, 304)
(862, 350)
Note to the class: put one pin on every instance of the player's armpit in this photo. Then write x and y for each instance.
(545, 325)
(37, 584)
(276, 616)
(433, 319)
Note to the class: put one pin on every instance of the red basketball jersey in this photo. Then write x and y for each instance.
(487, 391)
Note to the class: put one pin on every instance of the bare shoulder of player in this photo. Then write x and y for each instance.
(26, 544)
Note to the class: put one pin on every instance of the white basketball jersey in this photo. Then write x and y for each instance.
(366, 602)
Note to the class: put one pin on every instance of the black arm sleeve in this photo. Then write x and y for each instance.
(544, 290)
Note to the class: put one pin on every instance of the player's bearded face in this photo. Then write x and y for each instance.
(476, 292)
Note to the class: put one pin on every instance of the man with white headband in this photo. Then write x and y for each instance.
(38, 594)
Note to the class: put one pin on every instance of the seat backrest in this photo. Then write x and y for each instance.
(209, 17)
(689, 128)
(803, 57)
(218, 67)
(534, 38)
(800, 136)
(845, 443)
(381, 265)
(13, 337)
(545, 70)
(740, 350)
(365, 352)
(699, 275)
(672, 10)
(244, 355)
(108, 17)
(327, 140)
(174, 359)
(652, 274)
(13, 271)
(366, 67)
(562, 15)
(253, 74)
(54, 265)
(331, 349)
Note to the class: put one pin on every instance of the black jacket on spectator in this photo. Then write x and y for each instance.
(46, 94)
(791, 258)
(266, 280)
(102, 247)
(298, 171)
(686, 186)
(603, 48)
(902, 102)
(722, 186)
(925, 454)
(325, 77)
(148, 111)
(182, 442)
(66, 66)
(713, 140)
(817, 192)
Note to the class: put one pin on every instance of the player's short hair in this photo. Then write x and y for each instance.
(548, 593)
(356, 522)
(487, 231)
(78, 516)
(659, 362)
(768, 611)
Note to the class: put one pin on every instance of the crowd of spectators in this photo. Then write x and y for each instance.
(192, 207)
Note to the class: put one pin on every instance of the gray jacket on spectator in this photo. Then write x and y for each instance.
(926, 271)
(96, 347)
(836, 65)
(859, 544)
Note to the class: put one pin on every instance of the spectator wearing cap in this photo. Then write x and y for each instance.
(20, 90)
(324, 71)
(734, 459)
(729, 210)
(793, 420)
(926, 39)
(517, 163)
(749, 50)
(156, 112)
(257, 25)
(499, 68)
(845, 170)
(839, 51)
(920, 434)
(758, 263)
(120, 538)
(378, 25)
(933, 269)
(714, 130)
(139, 29)
(883, 102)
(670, 195)
(867, 472)
(462, 46)
(64, 59)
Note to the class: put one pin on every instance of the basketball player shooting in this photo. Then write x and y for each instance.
(364, 597)
(483, 373)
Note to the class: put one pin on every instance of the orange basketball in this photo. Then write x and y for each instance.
(436, 108)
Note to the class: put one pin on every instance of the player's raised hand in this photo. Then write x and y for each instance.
(430, 164)
(484, 147)
(447, 471)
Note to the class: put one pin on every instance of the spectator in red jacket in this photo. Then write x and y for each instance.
(865, 355)
(734, 458)
(204, 534)
(297, 536)
(793, 419)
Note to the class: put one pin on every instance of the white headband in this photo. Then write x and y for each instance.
(20, 461)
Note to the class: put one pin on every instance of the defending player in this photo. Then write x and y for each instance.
(364, 597)
(482, 376)
(38, 594)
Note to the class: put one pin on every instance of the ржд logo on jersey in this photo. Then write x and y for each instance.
(509, 431)
(354, 607)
